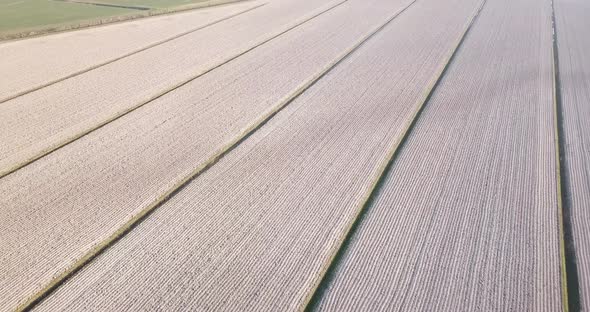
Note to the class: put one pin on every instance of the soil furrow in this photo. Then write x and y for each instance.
(468, 216)
(32, 64)
(113, 177)
(255, 231)
(124, 54)
(38, 123)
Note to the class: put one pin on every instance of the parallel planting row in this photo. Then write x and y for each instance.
(257, 230)
(322, 155)
(468, 218)
(28, 65)
(67, 204)
(37, 123)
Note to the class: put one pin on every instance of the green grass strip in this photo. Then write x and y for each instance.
(77, 24)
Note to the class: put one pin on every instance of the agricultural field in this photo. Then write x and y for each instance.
(288, 155)
(21, 18)
(482, 150)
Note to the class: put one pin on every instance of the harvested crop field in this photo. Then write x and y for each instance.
(278, 155)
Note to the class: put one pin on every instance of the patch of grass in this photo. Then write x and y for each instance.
(24, 18)
(22, 15)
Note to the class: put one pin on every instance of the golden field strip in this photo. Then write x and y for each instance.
(334, 155)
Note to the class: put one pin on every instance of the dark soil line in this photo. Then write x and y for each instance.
(571, 267)
(15, 35)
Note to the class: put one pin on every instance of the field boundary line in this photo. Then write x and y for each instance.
(152, 45)
(130, 7)
(327, 272)
(217, 155)
(133, 108)
(570, 290)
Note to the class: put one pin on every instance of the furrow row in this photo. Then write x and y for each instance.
(468, 216)
(256, 231)
(68, 206)
(29, 65)
(34, 125)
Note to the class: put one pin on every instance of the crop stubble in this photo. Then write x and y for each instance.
(67, 203)
(257, 229)
(468, 216)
